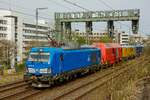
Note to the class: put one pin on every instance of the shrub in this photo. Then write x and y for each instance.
(147, 50)
(20, 67)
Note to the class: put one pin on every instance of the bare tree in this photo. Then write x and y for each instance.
(7, 50)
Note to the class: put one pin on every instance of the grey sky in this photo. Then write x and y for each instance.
(28, 6)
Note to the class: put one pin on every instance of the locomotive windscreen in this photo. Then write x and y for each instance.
(39, 56)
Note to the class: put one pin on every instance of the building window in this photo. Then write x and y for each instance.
(3, 35)
(34, 26)
(3, 28)
(3, 21)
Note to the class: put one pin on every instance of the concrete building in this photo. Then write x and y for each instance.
(13, 27)
(5, 28)
(136, 39)
(32, 38)
(93, 36)
(123, 38)
(120, 37)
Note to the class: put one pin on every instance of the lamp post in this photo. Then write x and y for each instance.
(37, 15)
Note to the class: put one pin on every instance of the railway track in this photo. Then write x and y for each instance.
(80, 87)
(11, 85)
(79, 92)
(82, 90)
(72, 90)
(16, 90)
(25, 92)
(21, 94)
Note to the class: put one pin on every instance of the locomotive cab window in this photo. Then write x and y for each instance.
(39, 56)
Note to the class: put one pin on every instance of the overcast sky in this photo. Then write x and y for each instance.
(28, 6)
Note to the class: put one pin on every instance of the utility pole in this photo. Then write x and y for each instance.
(37, 23)
(37, 18)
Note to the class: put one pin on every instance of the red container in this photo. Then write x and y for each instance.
(110, 52)
(118, 51)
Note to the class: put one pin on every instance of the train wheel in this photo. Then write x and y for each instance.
(61, 80)
(51, 83)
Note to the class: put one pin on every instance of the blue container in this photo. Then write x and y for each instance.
(139, 49)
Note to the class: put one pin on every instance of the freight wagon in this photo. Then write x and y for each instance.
(107, 53)
(46, 66)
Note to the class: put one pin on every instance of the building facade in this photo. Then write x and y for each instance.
(22, 33)
(119, 37)
(123, 38)
(92, 36)
(33, 38)
(136, 39)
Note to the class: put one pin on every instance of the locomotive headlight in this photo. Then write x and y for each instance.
(44, 70)
(31, 70)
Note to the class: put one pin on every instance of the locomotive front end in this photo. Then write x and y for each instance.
(38, 67)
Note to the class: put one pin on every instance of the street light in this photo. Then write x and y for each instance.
(37, 13)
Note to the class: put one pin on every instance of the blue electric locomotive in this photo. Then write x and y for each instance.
(46, 65)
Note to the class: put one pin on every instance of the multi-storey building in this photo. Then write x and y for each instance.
(93, 36)
(33, 38)
(136, 39)
(22, 33)
(124, 38)
(121, 38)
(7, 28)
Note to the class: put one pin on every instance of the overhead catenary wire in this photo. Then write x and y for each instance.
(28, 14)
(76, 5)
(23, 13)
(107, 5)
(86, 9)
(20, 7)
(67, 1)
(59, 4)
